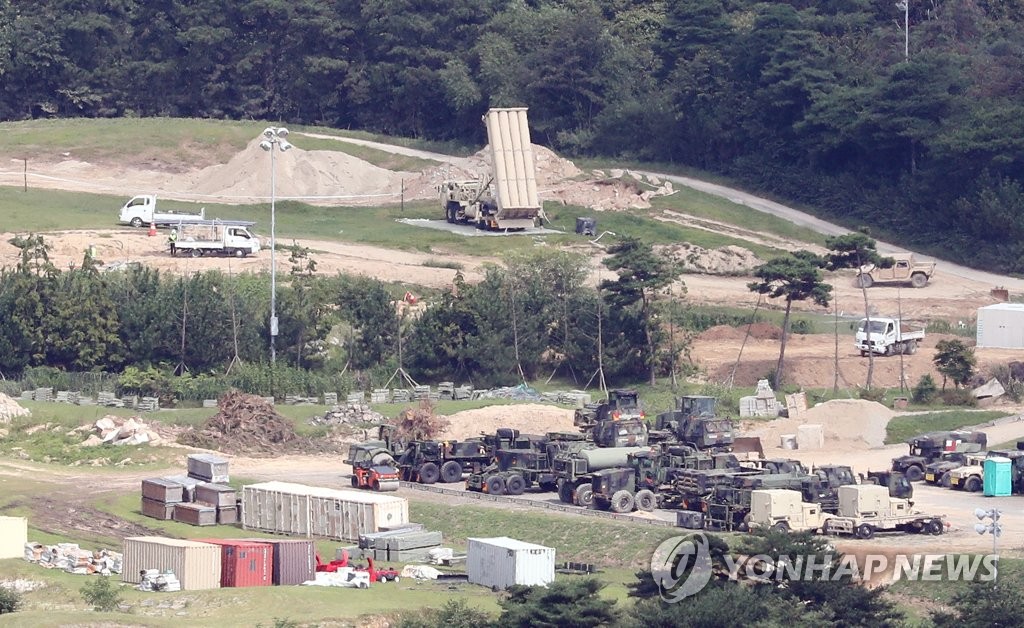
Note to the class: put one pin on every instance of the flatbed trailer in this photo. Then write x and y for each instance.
(866, 527)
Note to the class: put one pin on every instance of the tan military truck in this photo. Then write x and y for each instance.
(905, 269)
(971, 476)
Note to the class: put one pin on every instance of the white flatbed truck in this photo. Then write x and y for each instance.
(889, 336)
(213, 238)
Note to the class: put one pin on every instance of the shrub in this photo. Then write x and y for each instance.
(10, 600)
(958, 397)
(926, 390)
(103, 595)
(872, 394)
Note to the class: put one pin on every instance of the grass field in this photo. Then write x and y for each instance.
(903, 427)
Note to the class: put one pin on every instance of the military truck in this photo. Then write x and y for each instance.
(427, 461)
(695, 423)
(928, 447)
(937, 471)
(574, 471)
(514, 471)
(905, 269)
(970, 476)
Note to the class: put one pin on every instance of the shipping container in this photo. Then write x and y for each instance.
(13, 536)
(244, 563)
(501, 562)
(163, 490)
(303, 510)
(294, 561)
(195, 514)
(208, 468)
(217, 495)
(197, 565)
(157, 510)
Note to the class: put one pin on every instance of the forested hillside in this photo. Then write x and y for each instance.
(818, 102)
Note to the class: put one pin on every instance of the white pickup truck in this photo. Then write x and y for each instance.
(213, 238)
(889, 336)
(141, 211)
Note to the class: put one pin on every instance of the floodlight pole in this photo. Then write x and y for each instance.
(273, 137)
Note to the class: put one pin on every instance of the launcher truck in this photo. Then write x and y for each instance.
(574, 471)
(507, 199)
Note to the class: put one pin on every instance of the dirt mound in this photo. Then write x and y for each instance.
(725, 260)
(528, 418)
(721, 332)
(766, 331)
(853, 423)
(10, 409)
(246, 424)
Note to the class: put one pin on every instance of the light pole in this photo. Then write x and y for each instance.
(995, 529)
(905, 5)
(273, 136)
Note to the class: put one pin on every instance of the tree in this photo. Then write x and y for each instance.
(794, 278)
(983, 605)
(854, 250)
(562, 604)
(453, 614)
(955, 361)
(641, 275)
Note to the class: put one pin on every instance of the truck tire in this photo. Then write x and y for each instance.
(621, 502)
(865, 531)
(973, 484)
(565, 492)
(515, 484)
(919, 280)
(495, 485)
(238, 253)
(583, 496)
(914, 473)
(781, 526)
(945, 480)
(195, 252)
(646, 500)
(451, 471)
(911, 347)
(935, 527)
(136, 222)
(355, 481)
(864, 281)
(429, 473)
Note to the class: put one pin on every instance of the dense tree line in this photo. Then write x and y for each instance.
(532, 317)
(815, 101)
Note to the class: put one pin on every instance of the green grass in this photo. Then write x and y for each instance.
(902, 428)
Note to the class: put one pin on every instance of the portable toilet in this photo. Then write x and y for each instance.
(998, 476)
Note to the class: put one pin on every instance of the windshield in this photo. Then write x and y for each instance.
(877, 327)
(716, 427)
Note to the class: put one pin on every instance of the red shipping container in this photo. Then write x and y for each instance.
(244, 563)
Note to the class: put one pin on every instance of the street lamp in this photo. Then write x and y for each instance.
(273, 136)
(904, 5)
(995, 529)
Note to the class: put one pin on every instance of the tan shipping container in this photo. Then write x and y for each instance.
(309, 511)
(13, 536)
(197, 565)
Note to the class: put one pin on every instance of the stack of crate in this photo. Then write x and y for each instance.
(160, 496)
(201, 498)
(406, 543)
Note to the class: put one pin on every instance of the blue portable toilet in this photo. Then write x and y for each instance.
(998, 476)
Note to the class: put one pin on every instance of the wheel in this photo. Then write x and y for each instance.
(195, 252)
(646, 500)
(864, 281)
(429, 473)
(973, 484)
(911, 347)
(890, 349)
(515, 484)
(865, 531)
(919, 280)
(781, 526)
(395, 579)
(935, 527)
(449, 213)
(565, 491)
(355, 481)
(945, 480)
(451, 471)
(583, 496)
(238, 253)
(136, 222)
(495, 485)
(863, 354)
(622, 501)
(375, 485)
(364, 585)
(914, 473)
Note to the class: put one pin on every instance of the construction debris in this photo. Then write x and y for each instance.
(419, 423)
(359, 413)
(245, 424)
(155, 580)
(762, 404)
(11, 409)
(115, 430)
(71, 558)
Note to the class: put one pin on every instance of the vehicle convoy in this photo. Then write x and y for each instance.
(142, 211)
(216, 238)
(574, 470)
(507, 198)
(864, 509)
(373, 466)
(905, 269)
(970, 476)
(694, 423)
(938, 471)
(928, 447)
(889, 336)
(428, 461)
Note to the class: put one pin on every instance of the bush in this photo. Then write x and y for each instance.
(103, 595)
(926, 390)
(958, 397)
(872, 394)
(10, 600)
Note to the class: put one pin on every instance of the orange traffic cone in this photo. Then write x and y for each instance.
(152, 229)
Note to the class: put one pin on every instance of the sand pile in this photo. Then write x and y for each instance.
(852, 423)
(725, 260)
(528, 418)
(10, 409)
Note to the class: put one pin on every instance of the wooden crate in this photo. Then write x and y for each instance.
(157, 509)
(195, 514)
(163, 490)
(217, 495)
(227, 515)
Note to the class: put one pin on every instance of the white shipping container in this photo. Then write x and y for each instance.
(197, 565)
(1001, 325)
(501, 562)
(298, 509)
(13, 536)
